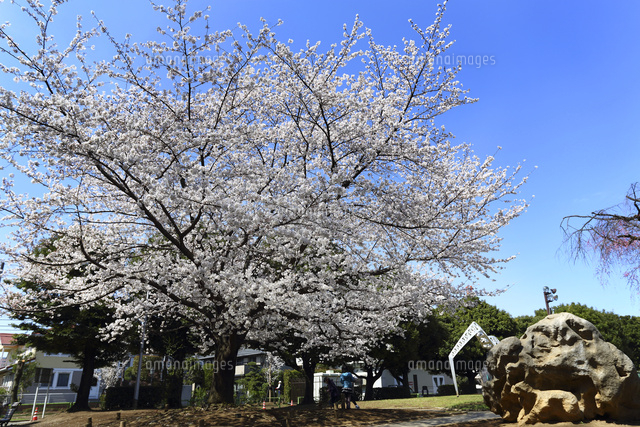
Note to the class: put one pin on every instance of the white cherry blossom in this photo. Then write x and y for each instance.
(244, 186)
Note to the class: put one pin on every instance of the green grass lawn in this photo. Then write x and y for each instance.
(466, 402)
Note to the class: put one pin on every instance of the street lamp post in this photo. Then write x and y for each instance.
(549, 296)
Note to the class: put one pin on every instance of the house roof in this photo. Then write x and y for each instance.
(244, 352)
(6, 339)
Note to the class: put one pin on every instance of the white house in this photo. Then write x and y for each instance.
(56, 375)
(420, 381)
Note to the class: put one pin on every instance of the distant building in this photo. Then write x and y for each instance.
(56, 375)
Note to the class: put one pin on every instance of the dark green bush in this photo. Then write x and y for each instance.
(446, 390)
(122, 397)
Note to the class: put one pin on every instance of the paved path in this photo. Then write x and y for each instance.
(439, 421)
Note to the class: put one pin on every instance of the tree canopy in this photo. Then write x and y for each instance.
(490, 318)
(612, 235)
(243, 185)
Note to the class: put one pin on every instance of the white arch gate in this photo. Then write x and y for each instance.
(474, 330)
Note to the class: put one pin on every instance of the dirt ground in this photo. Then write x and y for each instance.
(296, 416)
(289, 416)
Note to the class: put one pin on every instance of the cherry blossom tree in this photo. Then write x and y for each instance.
(226, 179)
(612, 235)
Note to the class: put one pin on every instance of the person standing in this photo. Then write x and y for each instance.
(348, 380)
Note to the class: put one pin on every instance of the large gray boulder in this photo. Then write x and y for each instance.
(561, 370)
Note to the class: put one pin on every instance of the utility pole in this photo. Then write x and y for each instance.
(136, 390)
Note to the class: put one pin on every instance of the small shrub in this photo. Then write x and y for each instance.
(446, 390)
(199, 397)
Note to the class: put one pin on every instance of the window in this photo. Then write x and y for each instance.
(7, 380)
(61, 379)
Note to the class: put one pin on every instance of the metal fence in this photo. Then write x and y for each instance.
(42, 396)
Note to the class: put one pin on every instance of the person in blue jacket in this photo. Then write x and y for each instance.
(348, 380)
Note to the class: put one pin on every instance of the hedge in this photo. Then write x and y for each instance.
(384, 393)
(463, 388)
(122, 397)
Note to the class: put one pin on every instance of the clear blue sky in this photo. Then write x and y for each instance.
(560, 92)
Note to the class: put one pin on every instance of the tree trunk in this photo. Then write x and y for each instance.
(309, 367)
(405, 381)
(403, 378)
(88, 367)
(16, 380)
(373, 373)
(225, 369)
(173, 390)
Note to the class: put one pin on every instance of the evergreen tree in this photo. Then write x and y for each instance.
(68, 328)
(74, 331)
(255, 382)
